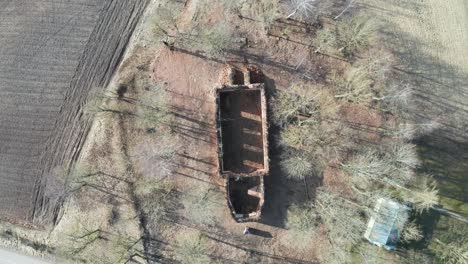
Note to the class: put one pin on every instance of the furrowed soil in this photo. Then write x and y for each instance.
(51, 56)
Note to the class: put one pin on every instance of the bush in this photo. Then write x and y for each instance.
(301, 224)
(191, 248)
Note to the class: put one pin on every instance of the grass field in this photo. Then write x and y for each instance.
(430, 38)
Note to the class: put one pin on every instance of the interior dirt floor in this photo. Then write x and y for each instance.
(241, 127)
(52, 53)
(242, 202)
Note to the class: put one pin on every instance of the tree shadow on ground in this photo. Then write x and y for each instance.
(280, 192)
(446, 160)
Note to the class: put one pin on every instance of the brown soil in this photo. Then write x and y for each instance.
(191, 82)
(241, 126)
(364, 121)
(242, 202)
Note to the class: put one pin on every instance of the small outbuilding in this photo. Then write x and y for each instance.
(387, 223)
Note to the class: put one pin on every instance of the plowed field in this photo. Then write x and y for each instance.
(51, 54)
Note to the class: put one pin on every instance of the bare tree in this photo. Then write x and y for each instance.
(165, 19)
(355, 86)
(191, 248)
(203, 205)
(396, 98)
(155, 156)
(452, 252)
(302, 101)
(324, 41)
(424, 194)
(378, 63)
(304, 9)
(214, 41)
(302, 226)
(371, 166)
(411, 232)
(153, 109)
(296, 166)
(267, 11)
(342, 218)
(416, 256)
(353, 34)
(404, 155)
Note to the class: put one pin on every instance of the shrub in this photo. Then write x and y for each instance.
(301, 224)
(191, 248)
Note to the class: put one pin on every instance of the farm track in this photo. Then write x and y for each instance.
(52, 53)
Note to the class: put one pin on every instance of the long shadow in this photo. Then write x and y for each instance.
(280, 192)
(446, 161)
(281, 259)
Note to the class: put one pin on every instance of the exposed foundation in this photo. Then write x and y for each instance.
(243, 147)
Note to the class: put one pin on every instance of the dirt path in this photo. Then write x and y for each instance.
(51, 55)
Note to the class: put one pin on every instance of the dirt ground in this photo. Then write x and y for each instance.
(191, 79)
(51, 55)
(241, 126)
